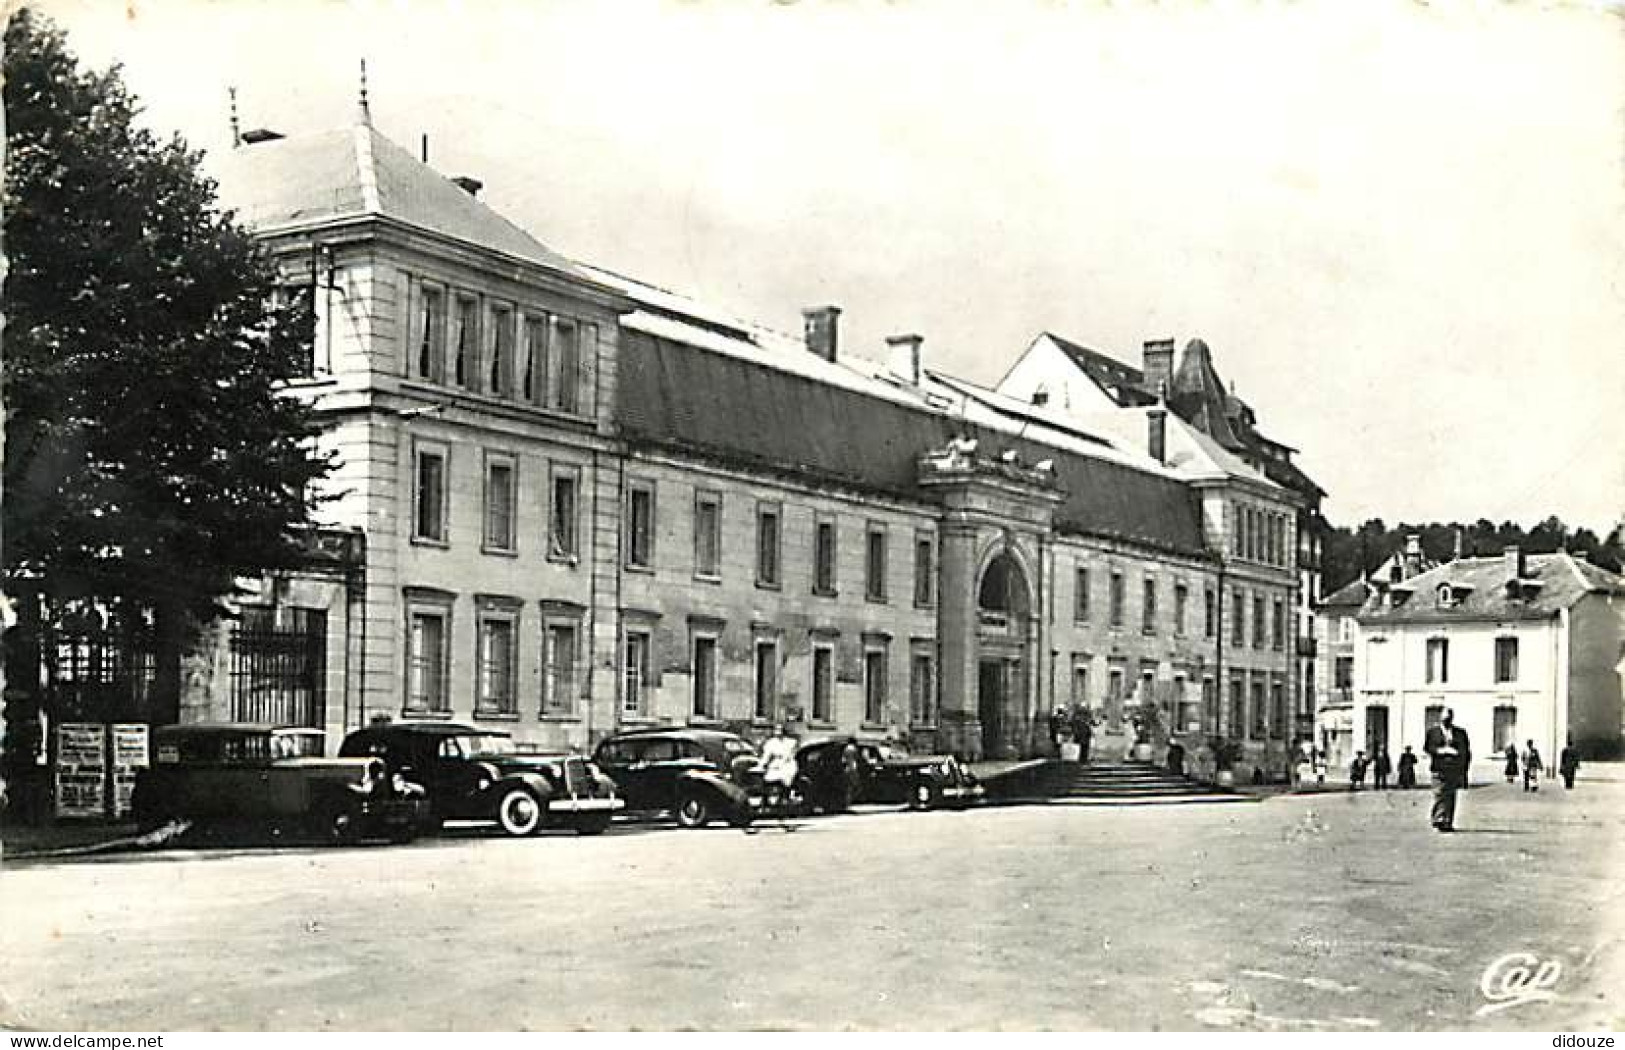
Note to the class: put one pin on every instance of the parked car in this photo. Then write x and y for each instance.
(698, 775)
(272, 778)
(472, 773)
(838, 771)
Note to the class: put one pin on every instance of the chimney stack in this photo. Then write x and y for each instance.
(1158, 366)
(822, 330)
(1156, 419)
(468, 184)
(903, 355)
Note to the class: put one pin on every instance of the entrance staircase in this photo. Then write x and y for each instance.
(1103, 783)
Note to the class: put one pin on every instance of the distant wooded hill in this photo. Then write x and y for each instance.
(1348, 553)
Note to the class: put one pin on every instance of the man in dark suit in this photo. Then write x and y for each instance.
(1452, 755)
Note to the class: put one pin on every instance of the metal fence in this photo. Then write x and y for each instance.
(278, 667)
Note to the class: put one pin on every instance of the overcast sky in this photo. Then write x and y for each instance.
(1400, 227)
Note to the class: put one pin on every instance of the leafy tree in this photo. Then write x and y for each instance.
(150, 457)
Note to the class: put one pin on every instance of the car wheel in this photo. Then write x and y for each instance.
(693, 811)
(338, 826)
(519, 812)
(922, 796)
(596, 824)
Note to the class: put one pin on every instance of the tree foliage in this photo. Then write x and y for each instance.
(1350, 553)
(149, 453)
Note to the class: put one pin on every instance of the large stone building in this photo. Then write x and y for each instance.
(586, 503)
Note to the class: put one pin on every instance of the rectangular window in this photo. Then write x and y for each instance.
(559, 682)
(533, 370)
(498, 666)
(1080, 595)
(1278, 625)
(767, 545)
(823, 683)
(922, 690)
(1117, 599)
(1114, 697)
(875, 565)
(1343, 673)
(1438, 660)
(499, 376)
(1210, 624)
(1505, 728)
(1432, 715)
(1238, 612)
(465, 341)
(640, 527)
(500, 498)
(1238, 709)
(1506, 659)
(874, 686)
(1148, 610)
(705, 676)
(925, 571)
(1182, 596)
(1186, 703)
(1278, 711)
(429, 521)
(767, 680)
(563, 512)
(707, 534)
(635, 673)
(824, 558)
(426, 661)
(564, 367)
(1258, 621)
(430, 361)
(1080, 683)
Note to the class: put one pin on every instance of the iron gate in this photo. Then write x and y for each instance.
(279, 667)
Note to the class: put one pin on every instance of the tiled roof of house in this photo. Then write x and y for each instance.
(1350, 596)
(675, 394)
(1479, 591)
(311, 179)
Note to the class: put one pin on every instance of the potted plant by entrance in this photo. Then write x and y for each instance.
(1147, 722)
(1226, 753)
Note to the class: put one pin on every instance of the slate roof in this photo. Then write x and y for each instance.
(308, 180)
(1562, 578)
(1349, 596)
(678, 396)
(1123, 383)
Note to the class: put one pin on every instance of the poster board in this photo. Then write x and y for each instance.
(129, 753)
(81, 769)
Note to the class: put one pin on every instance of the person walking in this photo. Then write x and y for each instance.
(1380, 769)
(1407, 768)
(1452, 754)
(1568, 764)
(1357, 771)
(1533, 767)
(1512, 764)
(1320, 768)
(1083, 731)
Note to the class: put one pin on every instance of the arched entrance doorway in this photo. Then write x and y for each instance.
(1004, 623)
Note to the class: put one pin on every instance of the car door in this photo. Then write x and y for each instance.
(458, 782)
(623, 761)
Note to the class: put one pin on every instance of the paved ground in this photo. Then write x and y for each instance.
(1314, 912)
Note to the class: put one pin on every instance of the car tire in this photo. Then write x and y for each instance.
(520, 812)
(596, 824)
(693, 811)
(922, 796)
(338, 826)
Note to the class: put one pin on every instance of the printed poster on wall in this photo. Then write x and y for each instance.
(81, 769)
(129, 756)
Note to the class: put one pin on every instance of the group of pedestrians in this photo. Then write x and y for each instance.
(1381, 768)
(1076, 726)
(1530, 764)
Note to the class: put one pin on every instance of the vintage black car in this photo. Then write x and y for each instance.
(471, 773)
(698, 775)
(252, 777)
(836, 772)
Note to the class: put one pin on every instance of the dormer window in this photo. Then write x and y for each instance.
(1447, 596)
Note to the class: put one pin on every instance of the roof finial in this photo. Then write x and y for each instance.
(236, 129)
(365, 114)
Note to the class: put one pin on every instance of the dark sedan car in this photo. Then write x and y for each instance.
(838, 771)
(696, 774)
(480, 774)
(249, 777)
